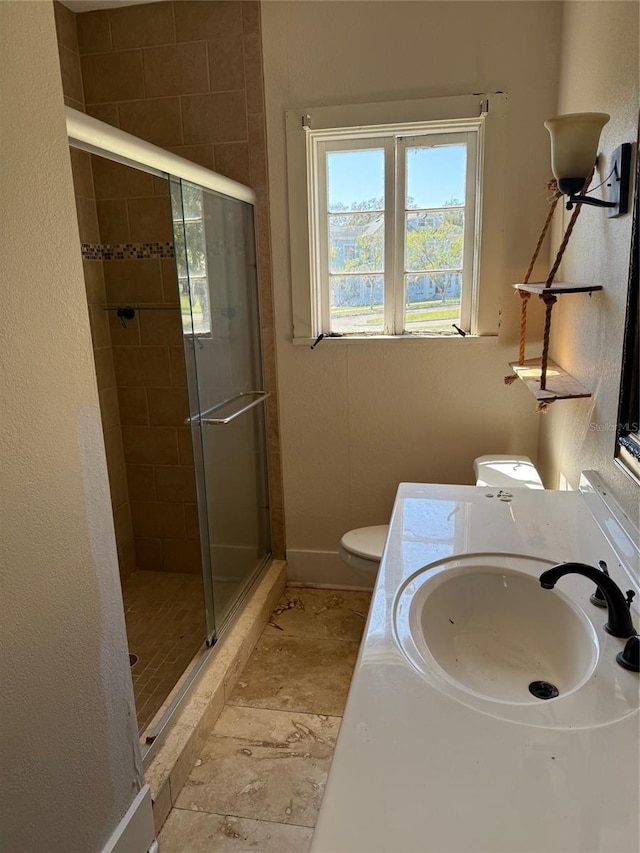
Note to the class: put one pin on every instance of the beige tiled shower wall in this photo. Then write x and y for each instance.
(187, 76)
(133, 207)
(96, 299)
(68, 51)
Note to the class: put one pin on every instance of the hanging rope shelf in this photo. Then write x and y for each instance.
(543, 377)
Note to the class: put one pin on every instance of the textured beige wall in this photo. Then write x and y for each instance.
(70, 759)
(358, 419)
(587, 332)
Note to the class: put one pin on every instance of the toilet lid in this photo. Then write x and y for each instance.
(367, 542)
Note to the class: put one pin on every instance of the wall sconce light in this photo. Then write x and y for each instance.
(574, 147)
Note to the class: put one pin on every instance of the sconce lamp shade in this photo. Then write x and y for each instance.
(574, 146)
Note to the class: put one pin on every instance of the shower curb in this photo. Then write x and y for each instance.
(173, 762)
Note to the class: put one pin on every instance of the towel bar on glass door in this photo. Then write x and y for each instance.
(200, 418)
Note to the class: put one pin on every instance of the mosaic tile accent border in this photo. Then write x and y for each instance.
(126, 251)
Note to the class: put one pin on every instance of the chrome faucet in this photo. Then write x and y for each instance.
(619, 622)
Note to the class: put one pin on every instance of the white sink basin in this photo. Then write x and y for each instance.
(482, 626)
(496, 631)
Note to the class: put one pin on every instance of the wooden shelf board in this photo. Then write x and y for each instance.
(560, 384)
(557, 287)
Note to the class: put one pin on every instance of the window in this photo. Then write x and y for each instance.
(394, 249)
(387, 204)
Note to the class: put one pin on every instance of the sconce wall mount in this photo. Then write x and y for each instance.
(574, 143)
(620, 181)
(616, 185)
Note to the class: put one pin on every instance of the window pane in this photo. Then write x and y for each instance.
(355, 180)
(432, 302)
(191, 201)
(199, 311)
(436, 177)
(434, 240)
(356, 303)
(356, 242)
(196, 248)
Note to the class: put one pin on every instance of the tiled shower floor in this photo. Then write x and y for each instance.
(164, 613)
(259, 780)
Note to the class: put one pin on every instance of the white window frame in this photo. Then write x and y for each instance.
(319, 146)
(308, 127)
(394, 145)
(470, 132)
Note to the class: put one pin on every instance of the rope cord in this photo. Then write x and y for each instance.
(552, 185)
(548, 298)
(549, 301)
(524, 301)
(568, 232)
(563, 245)
(524, 295)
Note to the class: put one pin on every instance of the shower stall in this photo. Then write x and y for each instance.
(171, 276)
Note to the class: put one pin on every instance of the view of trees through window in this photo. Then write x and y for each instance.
(191, 257)
(433, 236)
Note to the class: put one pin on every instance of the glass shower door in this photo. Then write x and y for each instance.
(215, 253)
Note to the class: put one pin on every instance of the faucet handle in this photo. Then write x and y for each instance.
(629, 658)
(597, 597)
(630, 596)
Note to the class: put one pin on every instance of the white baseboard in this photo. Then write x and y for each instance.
(325, 568)
(135, 833)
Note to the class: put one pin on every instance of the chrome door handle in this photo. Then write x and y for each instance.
(201, 418)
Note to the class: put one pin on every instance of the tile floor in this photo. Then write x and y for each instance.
(164, 614)
(259, 780)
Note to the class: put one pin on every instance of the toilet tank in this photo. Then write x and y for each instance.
(505, 471)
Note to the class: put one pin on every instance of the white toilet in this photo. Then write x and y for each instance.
(362, 548)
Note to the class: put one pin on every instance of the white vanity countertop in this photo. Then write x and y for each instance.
(418, 771)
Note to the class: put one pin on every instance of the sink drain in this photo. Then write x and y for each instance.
(133, 660)
(543, 690)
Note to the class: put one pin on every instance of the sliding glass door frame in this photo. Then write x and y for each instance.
(216, 255)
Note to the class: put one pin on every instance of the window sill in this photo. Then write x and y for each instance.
(360, 339)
